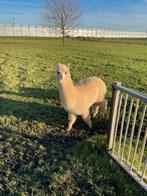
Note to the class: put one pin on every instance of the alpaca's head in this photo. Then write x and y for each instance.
(62, 73)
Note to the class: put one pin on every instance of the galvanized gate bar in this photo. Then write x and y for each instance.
(132, 174)
(122, 124)
(118, 116)
(115, 98)
(144, 170)
(141, 96)
(126, 131)
(138, 136)
(132, 131)
(142, 150)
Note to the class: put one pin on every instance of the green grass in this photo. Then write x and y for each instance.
(37, 156)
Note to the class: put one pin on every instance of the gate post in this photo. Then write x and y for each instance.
(113, 114)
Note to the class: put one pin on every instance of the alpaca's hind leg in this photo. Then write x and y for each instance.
(95, 109)
(104, 106)
(87, 119)
(71, 119)
(99, 105)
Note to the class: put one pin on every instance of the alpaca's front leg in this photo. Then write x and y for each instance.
(86, 117)
(71, 119)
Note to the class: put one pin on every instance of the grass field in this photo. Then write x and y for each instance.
(37, 156)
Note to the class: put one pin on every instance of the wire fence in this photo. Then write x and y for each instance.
(39, 31)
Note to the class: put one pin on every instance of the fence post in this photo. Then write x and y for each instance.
(4, 30)
(113, 114)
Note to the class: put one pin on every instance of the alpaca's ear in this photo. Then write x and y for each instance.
(58, 65)
(68, 65)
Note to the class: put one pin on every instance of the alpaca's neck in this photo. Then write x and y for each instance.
(66, 90)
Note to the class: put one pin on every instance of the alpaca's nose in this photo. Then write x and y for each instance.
(62, 76)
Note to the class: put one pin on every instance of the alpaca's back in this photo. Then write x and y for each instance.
(89, 91)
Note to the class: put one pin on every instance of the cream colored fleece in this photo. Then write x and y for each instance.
(77, 99)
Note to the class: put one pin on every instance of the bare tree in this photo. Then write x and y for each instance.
(61, 14)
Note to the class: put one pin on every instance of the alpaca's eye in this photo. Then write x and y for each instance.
(58, 72)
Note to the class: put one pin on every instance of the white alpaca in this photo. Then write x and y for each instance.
(77, 99)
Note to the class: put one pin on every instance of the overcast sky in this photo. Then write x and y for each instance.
(110, 14)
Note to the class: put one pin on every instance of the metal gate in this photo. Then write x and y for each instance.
(128, 132)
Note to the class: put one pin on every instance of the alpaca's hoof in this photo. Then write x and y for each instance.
(90, 126)
(68, 129)
(94, 115)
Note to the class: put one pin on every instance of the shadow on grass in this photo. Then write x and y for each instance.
(53, 115)
(50, 114)
(34, 93)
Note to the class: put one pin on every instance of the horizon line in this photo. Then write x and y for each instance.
(108, 29)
